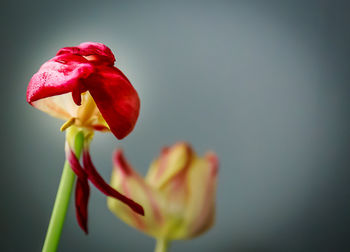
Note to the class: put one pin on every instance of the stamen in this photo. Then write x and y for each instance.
(68, 123)
(87, 110)
(89, 135)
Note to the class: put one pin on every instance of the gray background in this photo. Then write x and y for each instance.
(263, 83)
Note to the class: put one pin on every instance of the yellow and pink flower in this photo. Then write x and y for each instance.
(178, 193)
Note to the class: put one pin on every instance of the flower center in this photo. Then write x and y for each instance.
(87, 114)
(87, 109)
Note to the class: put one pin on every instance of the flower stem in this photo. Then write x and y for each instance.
(62, 201)
(161, 245)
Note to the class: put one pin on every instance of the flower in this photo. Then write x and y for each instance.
(82, 86)
(178, 193)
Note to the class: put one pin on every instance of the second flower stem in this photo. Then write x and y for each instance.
(161, 245)
(62, 201)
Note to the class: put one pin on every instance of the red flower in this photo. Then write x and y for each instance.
(76, 70)
(81, 85)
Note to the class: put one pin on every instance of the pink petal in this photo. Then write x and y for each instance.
(105, 188)
(116, 99)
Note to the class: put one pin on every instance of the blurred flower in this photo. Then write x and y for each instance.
(81, 85)
(178, 193)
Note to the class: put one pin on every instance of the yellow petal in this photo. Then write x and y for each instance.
(171, 161)
(59, 106)
(200, 210)
(63, 107)
(88, 108)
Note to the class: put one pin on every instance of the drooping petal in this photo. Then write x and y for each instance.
(59, 80)
(82, 193)
(130, 183)
(60, 75)
(96, 52)
(82, 189)
(116, 99)
(105, 188)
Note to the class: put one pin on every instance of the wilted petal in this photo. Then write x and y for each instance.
(105, 188)
(130, 183)
(59, 80)
(82, 193)
(116, 99)
(92, 51)
(60, 75)
(82, 189)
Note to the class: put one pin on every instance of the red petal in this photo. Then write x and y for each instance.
(105, 188)
(82, 193)
(74, 163)
(61, 74)
(102, 54)
(116, 99)
(82, 190)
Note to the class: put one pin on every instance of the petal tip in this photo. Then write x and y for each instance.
(138, 209)
(120, 162)
(213, 159)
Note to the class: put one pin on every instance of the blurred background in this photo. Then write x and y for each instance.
(263, 83)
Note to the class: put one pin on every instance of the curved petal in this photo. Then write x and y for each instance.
(116, 99)
(60, 75)
(96, 52)
(105, 188)
(59, 106)
(82, 189)
(82, 194)
(129, 182)
(49, 89)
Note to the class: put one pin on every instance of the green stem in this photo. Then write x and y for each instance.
(62, 201)
(161, 245)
